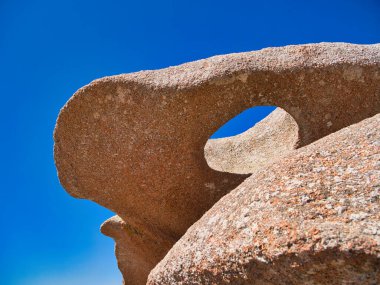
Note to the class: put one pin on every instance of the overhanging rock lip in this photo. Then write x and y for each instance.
(271, 59)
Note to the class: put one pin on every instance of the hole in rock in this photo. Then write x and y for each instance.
(251, 140)
(242, 122)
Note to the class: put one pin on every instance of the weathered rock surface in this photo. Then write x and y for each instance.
(136, 253)
(134, 143)
(311, 218)
(267, 141)
(274, 136)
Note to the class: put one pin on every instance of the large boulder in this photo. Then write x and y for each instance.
(134, 143)
(271, 138)
(311, 218)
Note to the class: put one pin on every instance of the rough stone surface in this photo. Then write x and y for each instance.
(311, 218)
(274, 136)
(134, 143)
(267, 141)
(136, 254)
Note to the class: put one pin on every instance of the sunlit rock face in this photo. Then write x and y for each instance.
(267, 141)
(136, 143)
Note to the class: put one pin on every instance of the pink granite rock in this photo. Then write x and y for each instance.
(312, 217)
(134, 143)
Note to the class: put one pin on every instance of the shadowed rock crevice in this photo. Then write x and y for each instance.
(134, 143)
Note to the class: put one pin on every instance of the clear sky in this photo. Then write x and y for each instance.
(49, 49)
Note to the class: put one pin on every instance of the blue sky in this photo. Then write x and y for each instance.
(49, 49)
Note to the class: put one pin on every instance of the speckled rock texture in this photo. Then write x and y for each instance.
(135, 143)
(311, 218)
(267, 141)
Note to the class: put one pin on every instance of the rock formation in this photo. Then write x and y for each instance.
(311, 218)
(135, 143)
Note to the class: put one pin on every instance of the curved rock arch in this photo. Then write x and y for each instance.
(134, 142)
